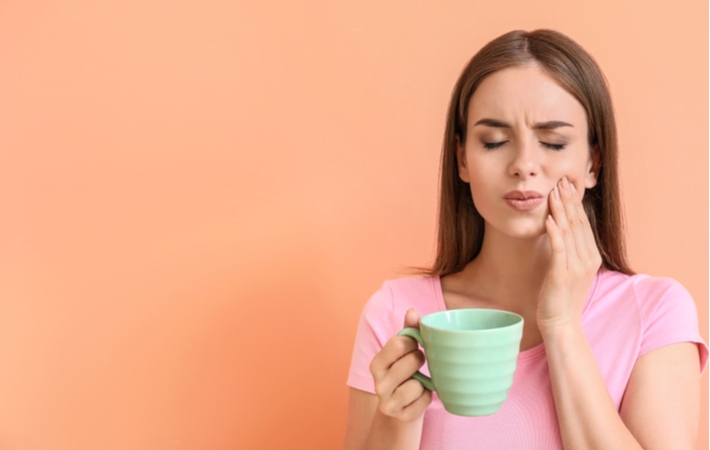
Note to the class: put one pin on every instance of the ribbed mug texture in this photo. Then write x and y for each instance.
(472, 357)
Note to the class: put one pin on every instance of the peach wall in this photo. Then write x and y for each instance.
(198, 197)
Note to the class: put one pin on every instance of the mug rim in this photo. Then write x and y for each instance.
(518, 322)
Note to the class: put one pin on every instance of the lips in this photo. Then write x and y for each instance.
(522, 195)
(524, 200)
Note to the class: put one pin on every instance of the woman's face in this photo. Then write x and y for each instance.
(524, 134)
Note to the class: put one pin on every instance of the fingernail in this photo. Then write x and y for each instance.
(557, 192)
(565, 183)
(573, 187)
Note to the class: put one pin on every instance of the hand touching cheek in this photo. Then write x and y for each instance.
(574, 262)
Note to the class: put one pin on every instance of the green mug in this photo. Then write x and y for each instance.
(472, 355)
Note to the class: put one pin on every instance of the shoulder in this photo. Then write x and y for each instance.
(637, 314)
(641, 301)
(664, 299)
(394, 297)
(663, 309)
(413, 288)
(650, 288)
(644, 290)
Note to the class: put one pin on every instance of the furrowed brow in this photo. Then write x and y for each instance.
(492, 123)
(551, 125)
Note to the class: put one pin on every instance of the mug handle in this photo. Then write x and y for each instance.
(415, 334)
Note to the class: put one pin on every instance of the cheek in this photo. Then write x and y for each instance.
(578, 182)
(577, 172)
(479, 178)
(483, 195)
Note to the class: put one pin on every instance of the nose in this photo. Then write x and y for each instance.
(524, 163)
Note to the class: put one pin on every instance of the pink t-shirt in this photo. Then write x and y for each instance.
(624, 317)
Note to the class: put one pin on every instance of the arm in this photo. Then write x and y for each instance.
(392, 419)
(368, 429)
(660, 407)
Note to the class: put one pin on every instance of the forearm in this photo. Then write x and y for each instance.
(587, 416)
(387, 433)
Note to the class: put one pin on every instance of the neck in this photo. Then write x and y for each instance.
(510, 271)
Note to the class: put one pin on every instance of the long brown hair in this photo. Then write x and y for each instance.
(461, 227)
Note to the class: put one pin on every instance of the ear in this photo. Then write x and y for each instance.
(593, 166)
(461, 161)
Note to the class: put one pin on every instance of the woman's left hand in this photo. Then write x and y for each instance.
(574, 262)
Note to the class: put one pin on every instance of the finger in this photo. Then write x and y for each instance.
(411, 318)
(403, 369)
(578, 226)
(391, 352)
(557, 243)
(581, 212)
(592, 250)
(559, 214)
(591, 243)
(415, 408)
(395, 348)
(399, 373)
(405, 394)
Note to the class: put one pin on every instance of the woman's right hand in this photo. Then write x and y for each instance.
(399, 395)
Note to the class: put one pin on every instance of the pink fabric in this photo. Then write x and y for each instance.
(623, 318)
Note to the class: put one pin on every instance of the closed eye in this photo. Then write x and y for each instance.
(553, 146)
(492, 145)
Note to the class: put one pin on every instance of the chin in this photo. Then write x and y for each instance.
(529, 234)
(527, 230)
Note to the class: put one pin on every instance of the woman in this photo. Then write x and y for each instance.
(530, 222)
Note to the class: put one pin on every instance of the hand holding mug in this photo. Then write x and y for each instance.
(400, 396)
(472, 356)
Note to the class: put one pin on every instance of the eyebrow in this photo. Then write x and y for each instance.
(549, 125)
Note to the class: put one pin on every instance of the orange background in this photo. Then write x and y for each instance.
(199, 196)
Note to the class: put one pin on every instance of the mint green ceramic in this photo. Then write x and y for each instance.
(472, 355)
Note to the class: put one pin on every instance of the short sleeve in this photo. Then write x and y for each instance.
(669, 316)
(376, 327)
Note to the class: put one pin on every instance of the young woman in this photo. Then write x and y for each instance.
(530, 222)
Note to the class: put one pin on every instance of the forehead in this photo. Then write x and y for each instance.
(524, 93)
